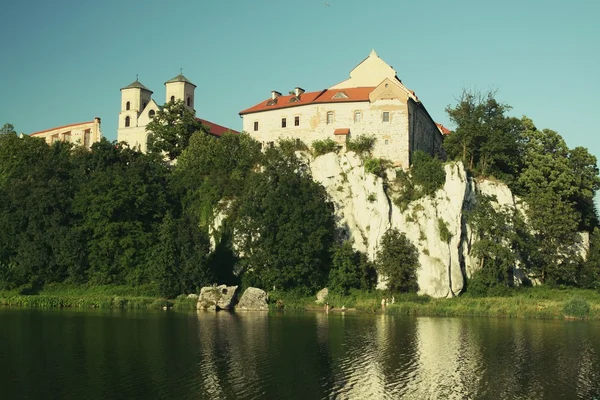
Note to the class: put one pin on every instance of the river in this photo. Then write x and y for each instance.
(67, 354)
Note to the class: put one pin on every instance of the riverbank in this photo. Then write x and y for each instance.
(532, 303)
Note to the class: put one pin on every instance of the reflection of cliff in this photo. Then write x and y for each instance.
(450, 363)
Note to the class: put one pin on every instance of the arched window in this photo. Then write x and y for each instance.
(127, 121)
(151, 113)
(189, 102)
(128, 106)
(172, 98)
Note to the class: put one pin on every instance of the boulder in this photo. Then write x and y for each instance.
(254, 299)
(322, 295)
(220, 297)
(192, 296)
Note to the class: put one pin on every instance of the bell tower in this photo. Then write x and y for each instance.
(134, 99)
(180, 88)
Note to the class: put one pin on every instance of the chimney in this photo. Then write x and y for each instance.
(274, 94)
(97, 119)
(298, 91)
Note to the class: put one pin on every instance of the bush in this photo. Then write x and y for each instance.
(576, 307)
(445, 233)
(361, 145)
(350, 270)
(321, 147)
(376, 166)
(427, 172)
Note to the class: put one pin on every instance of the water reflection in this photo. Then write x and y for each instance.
(257, 355)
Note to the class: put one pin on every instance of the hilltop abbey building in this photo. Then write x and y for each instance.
(373, 101)
(138, 108)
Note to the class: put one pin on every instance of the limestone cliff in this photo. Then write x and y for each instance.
(365, 211)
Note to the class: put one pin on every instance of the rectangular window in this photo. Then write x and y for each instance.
(271, 145)
(54, 138)
(296, 121)
(386, 116)
(255, 126)
(330, 117)
(283, 122)
(67, 137)
(357, 116)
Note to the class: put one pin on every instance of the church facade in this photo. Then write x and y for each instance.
(373, 102)
(138, 108)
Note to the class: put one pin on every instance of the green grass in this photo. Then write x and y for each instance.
(533, 303)
(87, 296)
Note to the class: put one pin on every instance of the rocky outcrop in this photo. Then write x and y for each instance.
(254, 299)
(365, 210)
(217, 298)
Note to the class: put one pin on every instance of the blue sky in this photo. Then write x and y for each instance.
(64, 61)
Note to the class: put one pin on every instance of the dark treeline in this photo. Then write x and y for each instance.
(115, 216)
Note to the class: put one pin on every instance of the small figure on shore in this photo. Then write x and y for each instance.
(327, 308)
(343, 308)
(382, 304)
(393, 300)
(387, 302)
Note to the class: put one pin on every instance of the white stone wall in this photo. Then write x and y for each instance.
(391, 137)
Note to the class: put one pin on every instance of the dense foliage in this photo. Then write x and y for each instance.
(113, 215)
(556, 184)
(398, 260)
(425, 175)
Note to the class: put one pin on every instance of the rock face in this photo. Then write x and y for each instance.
(217, 298)
(253, 299)
(365, 211)
(322, 295)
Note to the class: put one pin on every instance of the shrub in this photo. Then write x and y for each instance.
(376, 166)
(445, 234)
(576, 307)
(361, 145)
(321, 147)
(427, 172)
(371, 198)
(398, 260)
(350, 270)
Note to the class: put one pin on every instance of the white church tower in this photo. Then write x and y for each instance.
(180, 88)
(138, 108)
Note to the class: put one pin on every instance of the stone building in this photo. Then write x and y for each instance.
(83, 133)
(373, 101)
(138, 108)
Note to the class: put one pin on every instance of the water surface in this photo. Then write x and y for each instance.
(65, 354)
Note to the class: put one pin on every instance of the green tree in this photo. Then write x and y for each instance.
(494, 246)
(7, 129)
(485, 140)
(36, 191)
(179, 262)
(350, 269)
(398, 261)
(171, 129)
(285, 226)
(119, 205)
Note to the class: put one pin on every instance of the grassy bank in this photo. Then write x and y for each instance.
(83, 296)
(539, 303)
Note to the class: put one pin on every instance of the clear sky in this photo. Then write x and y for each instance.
(64, 61)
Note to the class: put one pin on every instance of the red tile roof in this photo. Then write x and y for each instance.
(215, 129)
(342, 131)
(443, 129)
(60, 127)
(324, 96)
